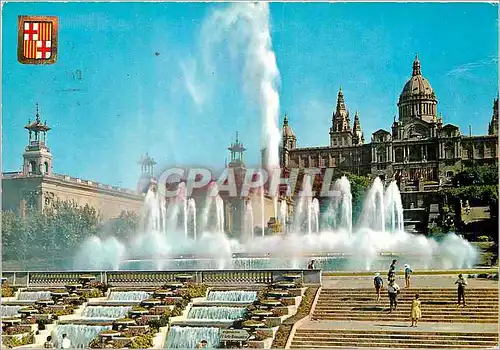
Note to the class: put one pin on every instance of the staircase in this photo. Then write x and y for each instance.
(438, 305)
(352, 318)
(343, 338)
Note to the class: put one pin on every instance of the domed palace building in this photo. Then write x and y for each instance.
(419, 151)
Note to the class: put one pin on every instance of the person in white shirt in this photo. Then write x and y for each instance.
(66, 343)
(393, 290)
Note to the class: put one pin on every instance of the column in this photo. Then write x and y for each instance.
(421, 152)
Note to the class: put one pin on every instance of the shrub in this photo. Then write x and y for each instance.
(483, 239)
(103, 287)
(13, 341)
(194, 291)
(17, 330)
(161, 322)
(93, 293)
(7, 291)
(144, 341)
(42, 322)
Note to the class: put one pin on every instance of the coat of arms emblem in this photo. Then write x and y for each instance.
(37, 39)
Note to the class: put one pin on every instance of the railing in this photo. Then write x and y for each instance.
(158, 278)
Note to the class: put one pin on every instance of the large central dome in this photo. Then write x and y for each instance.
(417, 100)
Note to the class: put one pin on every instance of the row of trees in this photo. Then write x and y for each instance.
(58, 231)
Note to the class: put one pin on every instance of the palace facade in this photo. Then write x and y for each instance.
(36, 186)
(419, 150)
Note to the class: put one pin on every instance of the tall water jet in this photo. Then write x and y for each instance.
(248, 220)
(314, 215)
(344, 187)
(191, 215)
(374, 208)
(214, 209)
(283, 215)
(153, 206)
(394, 207)
(176, 211)
(219, 207)
(263, 213)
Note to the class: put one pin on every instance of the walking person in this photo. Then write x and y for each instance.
(408, 273)
(378, 282)
(391, 275)
(416, 312)
(461, 289)
(393, 290)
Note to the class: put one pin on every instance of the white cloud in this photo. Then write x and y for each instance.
(466, 68)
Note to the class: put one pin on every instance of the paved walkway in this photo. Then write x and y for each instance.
(399, 326)
(421, 281)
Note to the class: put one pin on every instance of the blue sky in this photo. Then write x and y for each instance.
(130, 101)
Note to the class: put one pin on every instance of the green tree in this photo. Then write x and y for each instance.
(124, 227)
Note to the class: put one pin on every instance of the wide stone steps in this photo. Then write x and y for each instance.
(306, 338)
(438, 305)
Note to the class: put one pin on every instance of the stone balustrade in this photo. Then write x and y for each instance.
(158, 278)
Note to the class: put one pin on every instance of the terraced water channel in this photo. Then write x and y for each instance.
(206, 318)
(97, 318)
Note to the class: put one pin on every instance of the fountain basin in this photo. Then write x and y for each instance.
(163, 293)
(151, 302)
(253, 324)
(173, 285)
(44, 302)
(262, 313)
(285, 284)
(270, 303)
(278, 293)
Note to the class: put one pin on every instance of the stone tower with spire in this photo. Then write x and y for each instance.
(357, 138)
(289, 141)
(493, 126)
(340, 133)
(37, 159)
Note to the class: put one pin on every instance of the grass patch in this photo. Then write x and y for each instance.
(303, 310)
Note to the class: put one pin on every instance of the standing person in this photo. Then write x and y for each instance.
(378, 282)
(461, 288)
(311, 265)
(391, 275)
(416, 313)
(393, 290)
(48, 344)
(408, 273)
(66, 343)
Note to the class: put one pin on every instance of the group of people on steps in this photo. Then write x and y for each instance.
(393, 290)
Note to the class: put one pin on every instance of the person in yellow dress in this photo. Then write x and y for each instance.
(416, 313)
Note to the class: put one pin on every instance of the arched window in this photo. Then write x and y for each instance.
(46, 170)
(32, 166)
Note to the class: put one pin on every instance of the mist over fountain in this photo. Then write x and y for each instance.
(331, 236)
